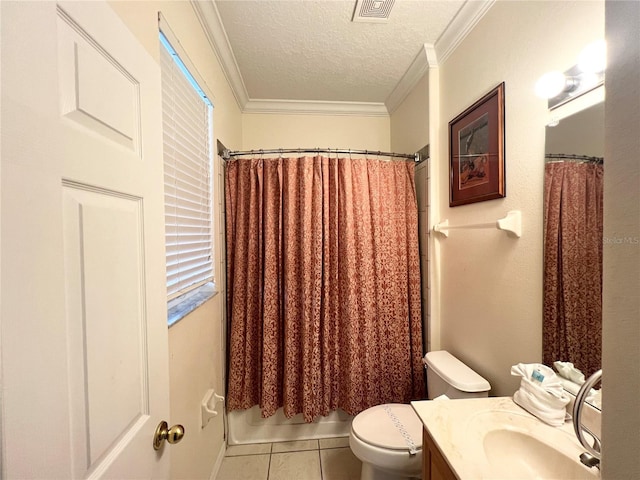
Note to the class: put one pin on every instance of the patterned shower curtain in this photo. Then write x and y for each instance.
(323, 285)
(572, 325)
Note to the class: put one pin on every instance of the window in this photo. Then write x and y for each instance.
(187, 140)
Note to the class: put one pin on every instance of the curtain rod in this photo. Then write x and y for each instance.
(550, 157)
(227, 154)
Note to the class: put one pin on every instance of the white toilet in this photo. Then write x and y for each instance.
(388, 438)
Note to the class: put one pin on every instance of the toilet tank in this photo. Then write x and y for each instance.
(446, 375)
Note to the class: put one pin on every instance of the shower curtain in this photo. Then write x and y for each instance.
(572, 325)
(323, 285)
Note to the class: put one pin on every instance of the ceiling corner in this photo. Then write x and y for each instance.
(464, 21)
(209, 18)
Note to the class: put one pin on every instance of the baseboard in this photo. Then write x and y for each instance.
(216, 466)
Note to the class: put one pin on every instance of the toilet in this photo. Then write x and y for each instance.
(388, 438)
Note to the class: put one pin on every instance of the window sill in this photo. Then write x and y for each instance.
(180, 307)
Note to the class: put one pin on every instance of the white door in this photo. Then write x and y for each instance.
(83, 302)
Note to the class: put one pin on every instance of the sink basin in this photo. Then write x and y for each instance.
(519, 455)
(517, 446)
(494, 439)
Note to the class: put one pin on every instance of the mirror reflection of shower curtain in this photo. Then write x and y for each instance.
(573, 238)
(323, 285)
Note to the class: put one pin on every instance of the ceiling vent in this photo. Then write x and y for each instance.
(372, 11)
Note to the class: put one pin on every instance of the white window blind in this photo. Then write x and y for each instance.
(186, 115)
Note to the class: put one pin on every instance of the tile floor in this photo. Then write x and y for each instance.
(325, 459)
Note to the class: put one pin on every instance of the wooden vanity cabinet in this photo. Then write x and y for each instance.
(434, 466)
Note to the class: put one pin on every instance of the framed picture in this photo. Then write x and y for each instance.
(476, 150)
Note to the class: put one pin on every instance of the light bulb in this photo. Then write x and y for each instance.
(593, 58)
(550, 84)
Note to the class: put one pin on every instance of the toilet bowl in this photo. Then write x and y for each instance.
(388, 438)
(387, 451)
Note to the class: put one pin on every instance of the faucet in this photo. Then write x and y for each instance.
(590, 458)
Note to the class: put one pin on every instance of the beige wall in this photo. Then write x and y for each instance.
(410, 121)
(195, 343)
(409, 133)
(621, 298)
(311, 131)
(490, 285)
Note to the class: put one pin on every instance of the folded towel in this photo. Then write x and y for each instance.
(540, 393)
(541, 375)
(570, 386)
(595, 398)
(568, 371)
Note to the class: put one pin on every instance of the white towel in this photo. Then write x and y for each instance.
(568, 371)
(570, 386)
(595, 398)
(540, 393)
(548, 380)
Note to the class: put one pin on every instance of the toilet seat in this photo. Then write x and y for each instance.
(376, 427)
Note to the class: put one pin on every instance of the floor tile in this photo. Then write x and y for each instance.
(334, 442)
(296, 446)
(295, 465)
(251, 467)
(340, 464)
(252, 449)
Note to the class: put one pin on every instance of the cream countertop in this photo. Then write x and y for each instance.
(493, 438)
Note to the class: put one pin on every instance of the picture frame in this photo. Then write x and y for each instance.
(476, 151)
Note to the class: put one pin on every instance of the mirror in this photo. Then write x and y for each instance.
(573, 239)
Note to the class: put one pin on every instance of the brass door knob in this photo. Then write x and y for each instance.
(171, 435)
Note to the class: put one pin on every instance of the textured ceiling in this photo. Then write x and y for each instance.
(311, 50)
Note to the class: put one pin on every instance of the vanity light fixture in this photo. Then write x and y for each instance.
(554, 83)
(593, 57)
(559, 87)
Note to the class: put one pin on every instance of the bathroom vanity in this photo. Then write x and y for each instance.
(434, 465)
(493, 438)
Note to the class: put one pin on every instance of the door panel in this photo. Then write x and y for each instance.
(104, 263)
(84, 333)
(95, 90)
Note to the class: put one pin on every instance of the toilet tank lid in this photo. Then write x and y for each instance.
(456, 373)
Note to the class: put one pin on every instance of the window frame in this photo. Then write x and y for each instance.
(188, 299)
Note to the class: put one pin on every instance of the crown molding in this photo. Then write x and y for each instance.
(425, 59)
(316, 107)
(430, 56)
(211, 23)
(209, 18)
(464, 21)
